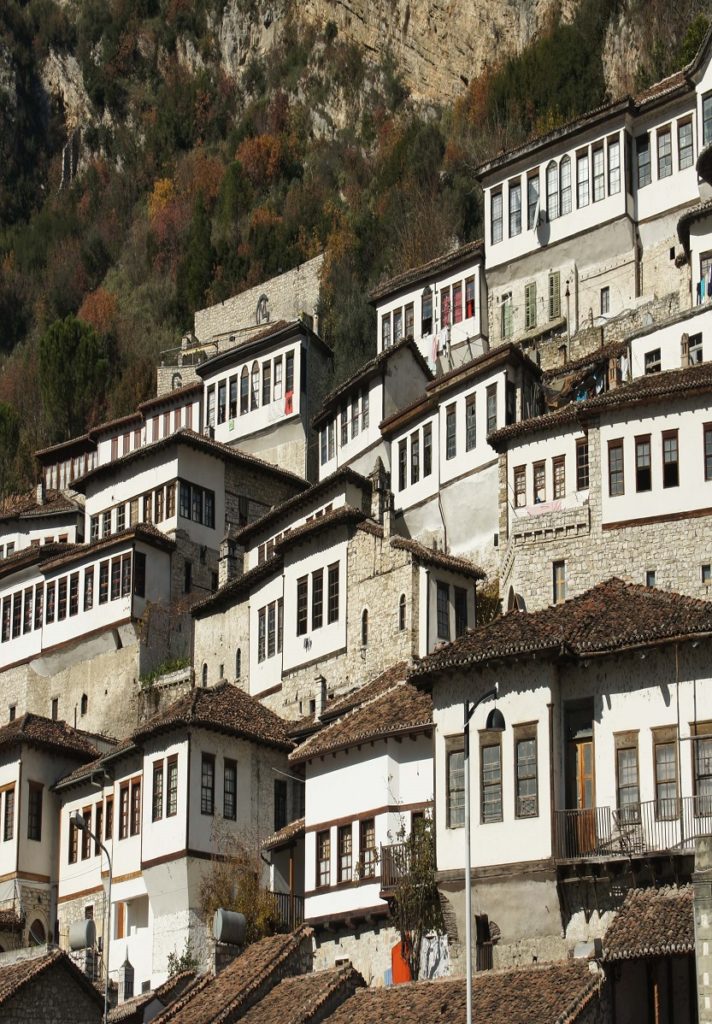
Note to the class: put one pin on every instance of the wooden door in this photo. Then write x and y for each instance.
(584, 782)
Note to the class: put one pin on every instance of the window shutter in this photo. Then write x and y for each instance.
(554, 296)
(530, 306)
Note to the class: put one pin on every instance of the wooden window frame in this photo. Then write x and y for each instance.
(454, 803)
(622, 741)
(488, 743)
(525, 733)
(616, 445)
(671, 435)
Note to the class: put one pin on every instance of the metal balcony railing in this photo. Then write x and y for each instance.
(289, 909)
(395, 864)
(652, 826)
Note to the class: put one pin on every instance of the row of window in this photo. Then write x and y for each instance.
(591, 180)
(26, 610)
(261, 384)
(457, 303)
(526, 799)
(670, 468)
(318, 599)
(558, 477)
(353, 418)
(61, 475)
(161, 426)
(270, 629)
(195, 503)
(531, 318)
(664, 155)
(351, 864)
(690, 353)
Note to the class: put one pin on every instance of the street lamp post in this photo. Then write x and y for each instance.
(82, 824)
(495, 723)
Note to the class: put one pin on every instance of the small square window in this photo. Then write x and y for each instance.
(650, 578)
(706, 572)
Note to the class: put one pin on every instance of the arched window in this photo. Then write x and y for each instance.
(401, 612)
(38, 935)
(84, 704)
(244, 390)
(565, 186)
(238, 663)
(254, 404)
(205, 674)
(364, 627)
(262, 314)
(176, 381)
(552, 191)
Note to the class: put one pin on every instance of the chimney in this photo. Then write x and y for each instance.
(381, 498)
(225, 953)
(613, 373)
(320, 686)
(40, 497)
(702, 912)
(231, 561)
(126, 981)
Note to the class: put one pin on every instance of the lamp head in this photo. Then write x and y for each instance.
(78, 819)
(495, 721)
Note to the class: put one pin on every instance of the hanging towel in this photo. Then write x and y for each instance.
(434, 353)
(288, 402)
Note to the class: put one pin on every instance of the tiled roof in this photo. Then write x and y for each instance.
(132, 1010)
(214, 1000)
(26, 557)
(652, 922)
(599, 355)
(401, 709)
(119, 421)
(610, 617)
(284, 836)
(22, 506)
(556, 993)
(145, 532)
(193, 440)
(15, 976)
(242, 349)
(304, 499)
(306, 997)
(83, 442)
(170, 396)
(438, 558)
(233, 589)
(366, 371)
(397, 673)
(85, 771)
(341, 516)
(47, 734)
(224, 708)
(689, 217)
(425, 270)
(653, 387)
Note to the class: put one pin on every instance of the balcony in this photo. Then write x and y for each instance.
(289, 909)
(651, 827)
(395, 865)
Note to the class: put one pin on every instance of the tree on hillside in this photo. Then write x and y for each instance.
(195, 270)
(9, 441)
(74, 372)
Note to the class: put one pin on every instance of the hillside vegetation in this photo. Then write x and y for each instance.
(193, 184)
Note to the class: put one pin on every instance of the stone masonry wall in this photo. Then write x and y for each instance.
(288, 295)
(675, 550)
(376, 577)
(368, 948)
(55, 988)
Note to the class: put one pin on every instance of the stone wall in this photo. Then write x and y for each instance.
(288, 296)
(57, 988)
(675, 550)
(368, 947)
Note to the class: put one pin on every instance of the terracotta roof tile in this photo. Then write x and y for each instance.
(301, 999)
(145, 532)
(438, 558)
(599, 355)
(221, 998)
(610, 617)
(397, 673)
(224, 708)
(193, 440)
(196, 387)
(279, 330)
(653, 387)
(434, 266)
(284, 836)
(401, 709)
(652, 922)
(366, 371)
(15, 976)
(132, 1010)
(48, 734)
(555, 993)
(304, 499)
(342, 516)
(33, 556)
(233, 589)
(21, 506)
(85, 771)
